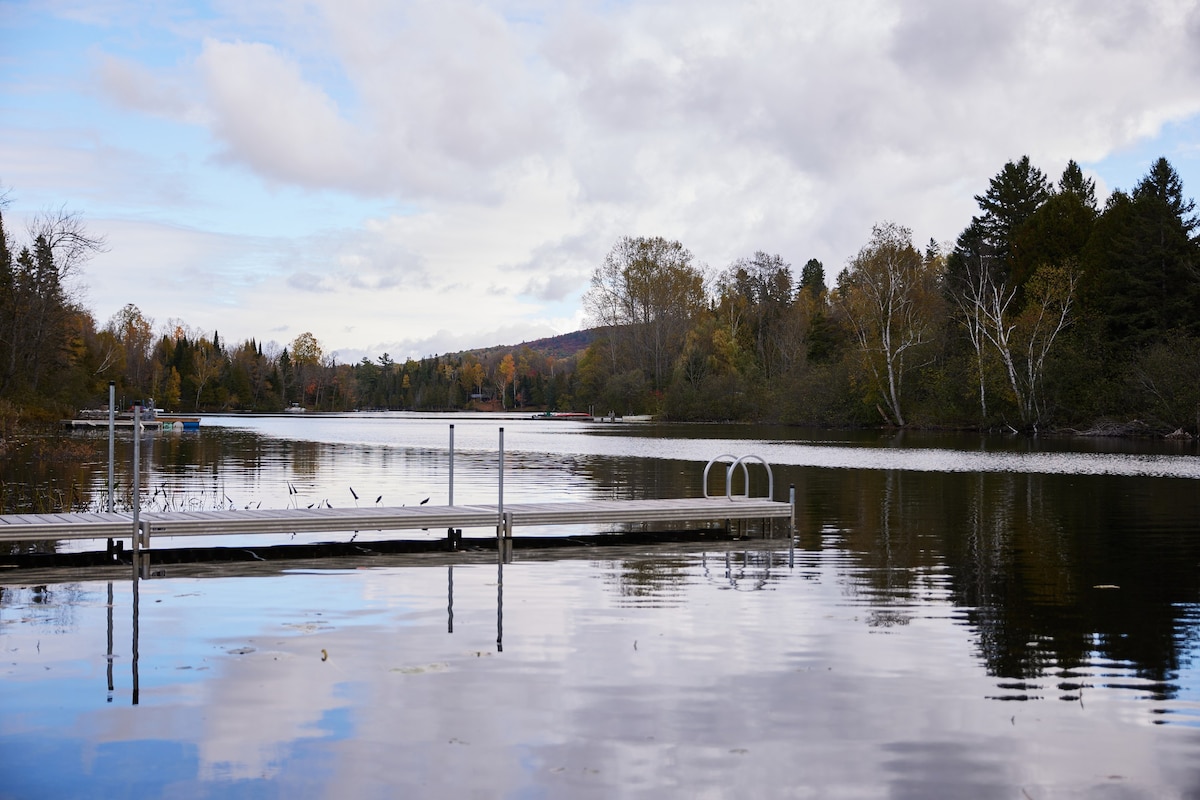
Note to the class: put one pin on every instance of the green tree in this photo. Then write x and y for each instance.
(812, 278)
(39, 316)
(1073, 182)
(1011, 198)
(758, 291)
(1143, 264)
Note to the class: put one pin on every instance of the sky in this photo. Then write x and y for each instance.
(416, 178)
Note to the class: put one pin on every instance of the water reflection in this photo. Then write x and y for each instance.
(1060, 562)
(669, 669)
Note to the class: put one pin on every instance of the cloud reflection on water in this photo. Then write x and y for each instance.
(764, 693)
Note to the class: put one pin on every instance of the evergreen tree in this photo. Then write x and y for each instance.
(1074, 183)
(812, 278)
(1141, 263)
(1011, 198)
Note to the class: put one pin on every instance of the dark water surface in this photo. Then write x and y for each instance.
(964, 617)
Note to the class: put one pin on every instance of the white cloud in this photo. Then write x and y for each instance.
(267, 115)
(494, 152)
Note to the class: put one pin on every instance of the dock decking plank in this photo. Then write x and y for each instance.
(101, 525)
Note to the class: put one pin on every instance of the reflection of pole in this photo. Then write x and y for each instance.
(450, 598)
(500, 607)
(135, 633)
(110, 641)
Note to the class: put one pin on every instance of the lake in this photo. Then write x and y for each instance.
(963, 616)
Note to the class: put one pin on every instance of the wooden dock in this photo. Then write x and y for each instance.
(118, 525)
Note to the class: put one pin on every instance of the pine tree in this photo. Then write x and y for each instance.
(1011, 199)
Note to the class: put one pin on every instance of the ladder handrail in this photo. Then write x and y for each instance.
(714, 460)
(746, 475)
(739, 461)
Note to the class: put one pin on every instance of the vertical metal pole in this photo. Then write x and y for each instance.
(500, 505)
(792, 527)
(137, 484)
(451, 465)
(112, 428)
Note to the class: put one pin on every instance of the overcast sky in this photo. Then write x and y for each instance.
(424, 177)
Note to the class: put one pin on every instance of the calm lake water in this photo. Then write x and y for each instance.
(964, 617)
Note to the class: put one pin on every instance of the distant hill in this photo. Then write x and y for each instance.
(563, 346)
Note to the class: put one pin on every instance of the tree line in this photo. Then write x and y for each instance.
(1046, 311)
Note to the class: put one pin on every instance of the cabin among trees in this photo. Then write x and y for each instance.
(1046, 311)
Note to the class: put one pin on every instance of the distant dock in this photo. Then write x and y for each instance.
(156, 422)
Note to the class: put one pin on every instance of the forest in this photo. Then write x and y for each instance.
(1047, 312)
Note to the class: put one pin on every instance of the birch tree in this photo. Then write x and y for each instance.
(890, 295)
(1021, 340)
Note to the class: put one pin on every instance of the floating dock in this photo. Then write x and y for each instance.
(121, 525)
(161, 422)
(141, 526)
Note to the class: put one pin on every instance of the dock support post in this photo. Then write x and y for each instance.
(141, 557)
(504, 538)
(792, 527)
(500, 503)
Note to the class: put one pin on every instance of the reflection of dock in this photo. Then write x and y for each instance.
(117, 525)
